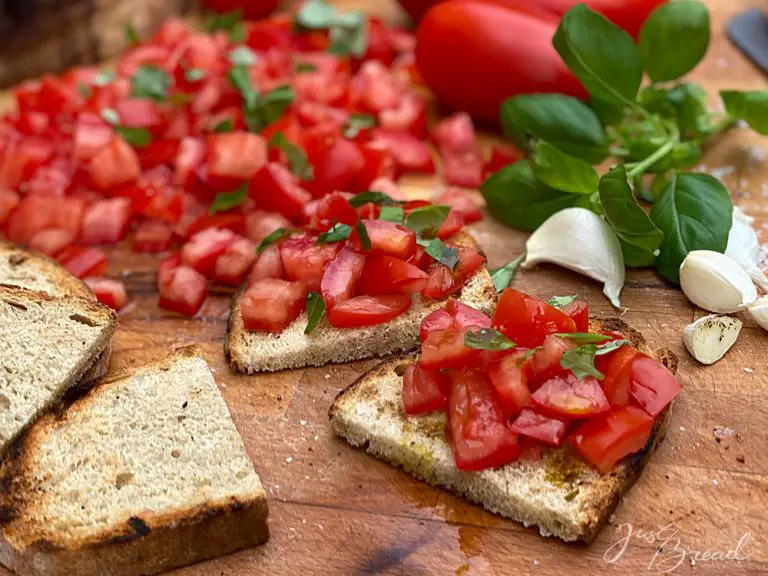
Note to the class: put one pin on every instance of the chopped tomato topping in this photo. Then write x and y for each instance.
(305, 261)
(578, 311)
(616, 366)
(445, 349)
(368, 310)
(389, 238)
(442, 282)
(543, 428)
(271, 305)
(274, 188)
(341, 277)
(182, 289)
(152, 236)
(204, 248)
(235, 263)
(424, 391)
(454, 314)
(571, 398)
(268, 264)
(236, 154)
(510, 380)
(109, 292)
(384, 274)
(333, 209)
(260, 224)
(115, 165)
(528, 320)
(466, 203)
(82, 261)
(652, 386)
(106, 221)
(545, 362)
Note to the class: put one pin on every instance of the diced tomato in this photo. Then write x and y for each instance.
(578, 311)
(409, 116)
(57, 96)
(158, 153)
(268, 264)
(368, 310)
(652, 386)
(571, 398)
(8, 202)
(166, 266)
(203, 249)
(182, 289)
(51, 241)
(90, 137)
(605, 440)
(510, 381)
(543, 428)
(22, 159)
(528, 320)
(463, 202)
(421, 259)
(445, 349)
(115, 165)
(410, 153)
(424, 391)
(455, 133)
(152, 236)
(616, 366)
(232, 220)
(271, 305)
(500, 157)
(332, 209)
(453, 314)
(274, 188)
(36, 213)
(304, 260)
(442, 282)
(190, 155)
(463, 169)
(384, 274)
(479, 434)
(530, 449)
(341, 277)
(336, 164)
(260, 224)
(109, 292)
(379, 163)
(139, 113)
(451, 225)
(545, 362)
(389, 238)
(235, 263)
(106, 221)
(463, 163)
(82, 261)
(236, 154)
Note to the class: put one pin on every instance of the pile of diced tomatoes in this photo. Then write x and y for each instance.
(504, 404)
(210, 141)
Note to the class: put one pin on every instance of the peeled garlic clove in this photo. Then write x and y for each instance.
(744, 248)
(580, 240)
(759, 311)
(715, 282)
(709, 338)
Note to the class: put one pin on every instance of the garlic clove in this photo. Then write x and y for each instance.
(710, 337)
(580, 240)
(759, 311)
(744, 248)
(715, 282)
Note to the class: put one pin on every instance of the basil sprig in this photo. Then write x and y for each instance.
(315, 311)
(581, 360)
(228, 200)
(503, 276)
(271, 238)
(487, 339)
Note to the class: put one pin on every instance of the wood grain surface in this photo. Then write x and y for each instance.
(335, 510)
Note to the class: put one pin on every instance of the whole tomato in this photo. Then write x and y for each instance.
(252, 9)
(475, 54)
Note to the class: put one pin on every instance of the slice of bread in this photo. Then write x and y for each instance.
(46, 345)
(252, 352)
(560, 494)
(144, 473)
(34, 271)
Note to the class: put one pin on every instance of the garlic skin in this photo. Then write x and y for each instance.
(715, 282)
(580, 240)
(759, 312)
(710, 337)
(744, 248)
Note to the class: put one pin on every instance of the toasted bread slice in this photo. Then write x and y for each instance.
(46, 345)
(34, 271)
(560, 494)
(259, 351)
(144, 473)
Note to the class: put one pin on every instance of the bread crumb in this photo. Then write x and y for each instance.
(714, 482)
(535, 562)
(748, 370)
(327, 375)
(303, 422)
(289, 459)
(316, 438)
(682, 428)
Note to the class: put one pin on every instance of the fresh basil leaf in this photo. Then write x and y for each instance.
(694, 213)
(338, 233)
(426, 221)
(150, 82)
(446, 255)
(658, 186)
(561, 302)
(228, 200)
(503, 276)
(315, 15)
(225, 125)
(180, 99)
(563, 121)
(609, 347)
(138, 137)
(194, 74)
(358, 122)
(275, 102)
(131, 35)
(349, 35)
(635, 257)
(600, 54)
(392, 214)
(362, 234)
(487, 339)
(242, 56)
(240, 78)
(271, 239)
(110, 116)
(527, 354)
(104, 78)
(304, 67)
(297, 159)
(608, 113)
(584, 337)
(682, 155)
(517, 198)
(752, 107)
(562, 172)
(685, 103)
(674, 39)
(84, 90)
(315, 311)
(637, 233)
(581, 361)
(230, 22)
(371, 197)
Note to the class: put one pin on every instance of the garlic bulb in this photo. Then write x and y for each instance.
(744, 248)
(710, 337)
(759, 311)
(715, 282)
(580, 240)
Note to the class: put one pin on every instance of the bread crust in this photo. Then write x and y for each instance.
(602, 492)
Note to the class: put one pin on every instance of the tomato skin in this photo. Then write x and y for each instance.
(51, 241)
(90, 137)
(234, 221)
(389, 238)
(82, 262)
(8, 202)
(474, 55)
(652, 386)
(275, 189)
(543, 428)
(337, 163)
(453, 314)
(116, 164)
(545, 363)
(368, 310)
(182, 289)
(202, 250)
(271, 305)
(333, 208)
(605, 440)
(410, 153)
(109, 292)
(268, 265)
(152, 236)
(260, 224)
(384, 274)
(235, 263)
(528, 320)
(478, 432)
(511, 383)
(236, 155)
(570, 397)
(305, 261)
(627, 14)
(341, 277)
(424, 391)
(578, 311)
(106, 221)
(139, 113)
(462, 202)
(500, 157)
(189, 156)
(22, 159)
(35, 213)
(616, 367)
(442, 282)
(452, 224)
(445, 349)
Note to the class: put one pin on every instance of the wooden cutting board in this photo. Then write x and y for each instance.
(334, 510)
